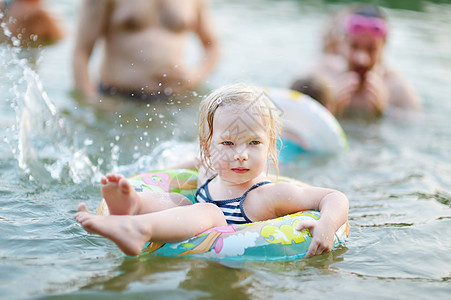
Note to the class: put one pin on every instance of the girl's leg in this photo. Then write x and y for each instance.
(131, 233)
(122, 199)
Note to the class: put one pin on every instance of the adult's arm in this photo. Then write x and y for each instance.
(205, 30)
(92, 23)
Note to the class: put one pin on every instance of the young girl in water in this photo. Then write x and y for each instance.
(238, 130)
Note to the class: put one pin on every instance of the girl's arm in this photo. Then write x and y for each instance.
(332, 204)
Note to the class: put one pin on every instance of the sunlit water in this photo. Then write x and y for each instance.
(397, 172)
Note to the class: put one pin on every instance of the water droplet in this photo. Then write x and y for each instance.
(168, 91)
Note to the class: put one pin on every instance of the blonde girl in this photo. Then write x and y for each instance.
(238, 130)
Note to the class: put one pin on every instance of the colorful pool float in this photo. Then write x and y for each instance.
(270, 240)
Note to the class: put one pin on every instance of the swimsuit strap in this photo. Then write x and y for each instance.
(254, 187)
(205, 185)
(245, 195)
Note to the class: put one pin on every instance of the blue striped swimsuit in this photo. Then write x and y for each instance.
(232, 208)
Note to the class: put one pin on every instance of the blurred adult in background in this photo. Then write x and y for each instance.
(30, 23)
(143, 47)
(352, 69)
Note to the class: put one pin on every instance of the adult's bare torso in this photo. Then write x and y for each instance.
(144, 42)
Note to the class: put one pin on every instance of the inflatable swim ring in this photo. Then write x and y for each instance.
(308, 126)
(270, 240)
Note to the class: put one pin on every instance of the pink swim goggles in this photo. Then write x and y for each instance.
(357, 24)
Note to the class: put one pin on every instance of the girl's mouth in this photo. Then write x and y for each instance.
(240, 170)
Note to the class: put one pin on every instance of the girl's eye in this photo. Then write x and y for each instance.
(227, 143)
(255, 143)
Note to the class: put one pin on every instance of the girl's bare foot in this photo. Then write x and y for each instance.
(127, 232)
(119, 194)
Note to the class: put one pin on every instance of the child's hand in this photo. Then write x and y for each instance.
(346, 88)
(322, 236)
(377, 92)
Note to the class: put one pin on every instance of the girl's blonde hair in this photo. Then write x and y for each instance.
(252, 100)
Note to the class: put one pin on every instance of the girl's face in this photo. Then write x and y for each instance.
(239, 145)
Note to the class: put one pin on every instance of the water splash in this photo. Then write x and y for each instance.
(165, 155)
(38, 137)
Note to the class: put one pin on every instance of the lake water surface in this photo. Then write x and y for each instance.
(397, 172)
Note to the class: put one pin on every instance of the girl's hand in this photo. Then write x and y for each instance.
(322, 236)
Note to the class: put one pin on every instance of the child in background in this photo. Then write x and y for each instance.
(238, 129)
(353, 68)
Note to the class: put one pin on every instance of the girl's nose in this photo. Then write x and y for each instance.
(241, 154)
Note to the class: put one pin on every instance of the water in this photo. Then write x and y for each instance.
(397, 173)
